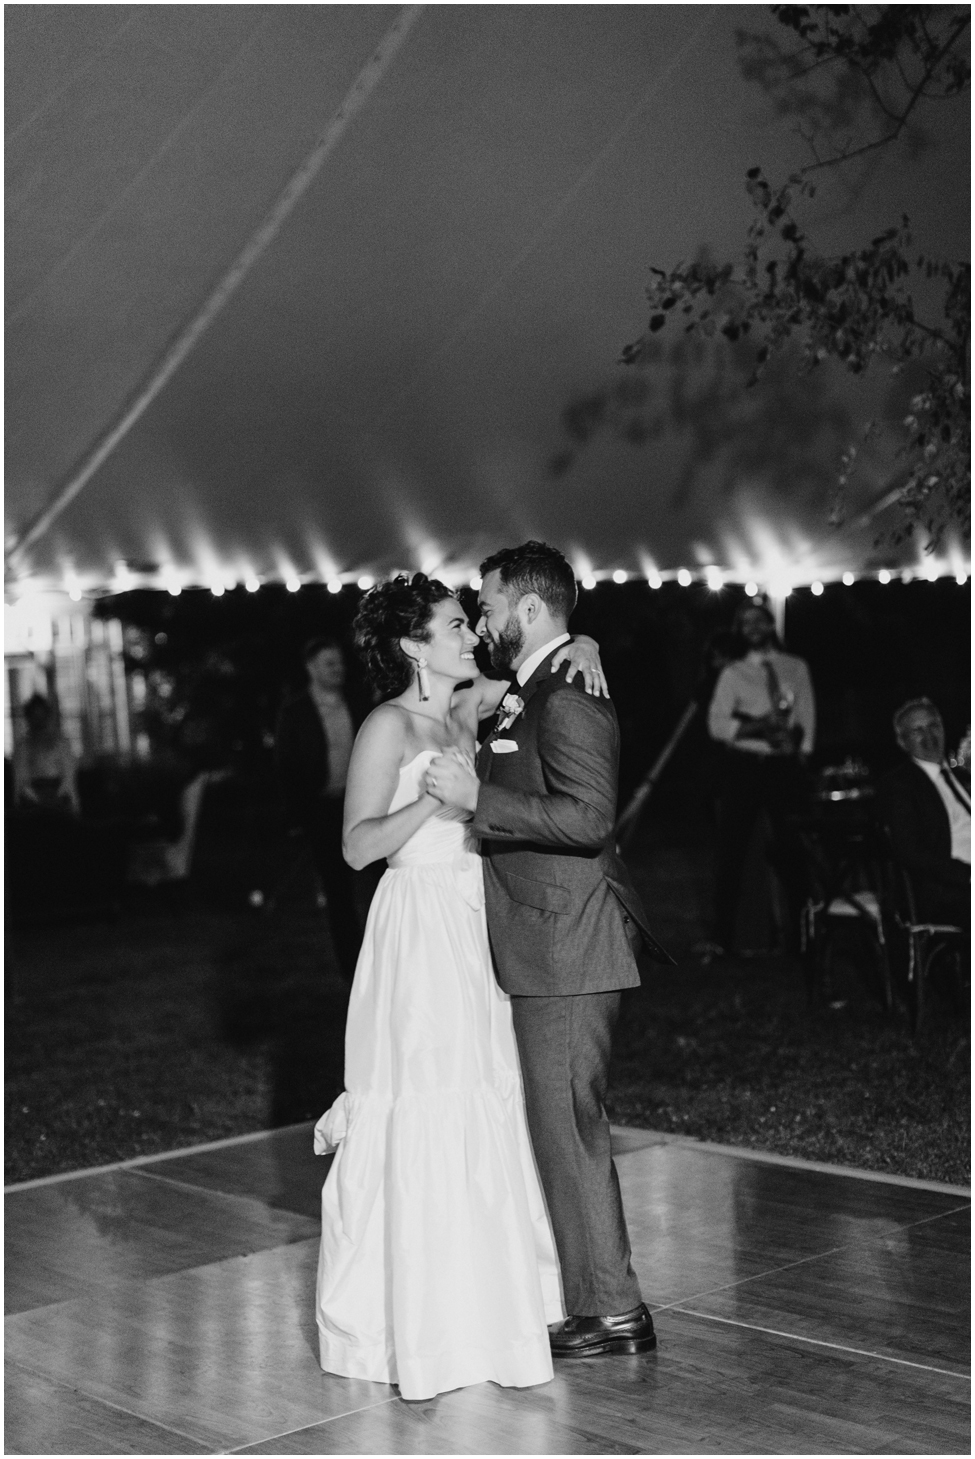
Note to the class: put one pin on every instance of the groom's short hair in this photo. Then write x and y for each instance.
(534, 567)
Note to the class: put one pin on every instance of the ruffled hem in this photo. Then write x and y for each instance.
(424, 1375)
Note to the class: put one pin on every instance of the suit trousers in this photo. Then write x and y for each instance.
(564, 1048)
(347, 892)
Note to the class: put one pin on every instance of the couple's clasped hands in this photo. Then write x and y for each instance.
(452, 779)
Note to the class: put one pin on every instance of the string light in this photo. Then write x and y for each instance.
(170, 579)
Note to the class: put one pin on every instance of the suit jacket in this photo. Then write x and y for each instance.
(563, 914)
(301, 755)
(920, 829)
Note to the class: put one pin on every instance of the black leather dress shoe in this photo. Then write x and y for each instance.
(589, 1337)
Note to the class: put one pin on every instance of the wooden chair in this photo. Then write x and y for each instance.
(916, 944)
(844, 891)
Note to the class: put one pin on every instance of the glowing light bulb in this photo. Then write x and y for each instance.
(684, 578)
(588, 581)
(619, 576)
(751, 590)
(883, 576)
(713, 578)
(848, 580)
(251, 584)
(476, 581)
(961, 578)
(365, 582)
(654, 579)
(217, 589)
(907, 576)
(816, 589)
(334, 585)
(931, 573)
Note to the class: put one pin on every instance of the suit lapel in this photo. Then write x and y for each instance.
(485, 755)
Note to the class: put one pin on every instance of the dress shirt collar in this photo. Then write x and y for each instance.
(532, 662)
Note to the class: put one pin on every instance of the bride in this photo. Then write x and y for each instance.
(437, 1266)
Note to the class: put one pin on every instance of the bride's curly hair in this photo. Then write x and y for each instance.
(388, 612)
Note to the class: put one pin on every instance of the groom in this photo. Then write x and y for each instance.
(564, 922)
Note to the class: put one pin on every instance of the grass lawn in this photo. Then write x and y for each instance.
(181, 1022)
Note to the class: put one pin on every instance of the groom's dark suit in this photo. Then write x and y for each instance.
(564, 920)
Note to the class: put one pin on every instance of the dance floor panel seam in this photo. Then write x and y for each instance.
(964, 1377)
(322, 1424)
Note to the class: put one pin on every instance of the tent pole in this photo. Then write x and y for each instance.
(627, 822)
(184, 341)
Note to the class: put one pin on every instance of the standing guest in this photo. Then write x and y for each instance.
(312, 748)
(927, 806)
(45, 770)
(764, 712)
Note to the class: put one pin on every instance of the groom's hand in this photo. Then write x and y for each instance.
(451, 779)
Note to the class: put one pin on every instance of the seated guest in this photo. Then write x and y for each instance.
(763, 711)
(928, 809)
(45, 771)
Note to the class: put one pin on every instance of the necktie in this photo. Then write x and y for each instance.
(779, 702)
(956, 789)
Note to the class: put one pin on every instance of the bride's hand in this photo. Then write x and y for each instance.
(451, 778)
(582, 656)
(462, 756)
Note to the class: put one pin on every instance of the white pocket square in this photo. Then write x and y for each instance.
(504, 747)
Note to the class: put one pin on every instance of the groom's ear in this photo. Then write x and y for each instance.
(531, 606)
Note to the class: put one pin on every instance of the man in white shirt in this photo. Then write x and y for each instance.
(927, 806)
(763, 711)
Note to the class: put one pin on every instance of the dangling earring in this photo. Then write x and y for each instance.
(423, 678)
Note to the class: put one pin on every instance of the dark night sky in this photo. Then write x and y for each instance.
(386, 388)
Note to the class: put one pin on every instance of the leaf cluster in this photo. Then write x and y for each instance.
(857, 308)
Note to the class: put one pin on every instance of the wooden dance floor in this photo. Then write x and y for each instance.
(166, 1307)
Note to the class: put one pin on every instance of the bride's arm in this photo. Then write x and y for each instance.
(581, 655)
(368, 831)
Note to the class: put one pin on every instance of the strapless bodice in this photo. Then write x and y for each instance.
(444, 837)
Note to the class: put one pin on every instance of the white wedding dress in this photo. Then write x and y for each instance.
(437, 1266)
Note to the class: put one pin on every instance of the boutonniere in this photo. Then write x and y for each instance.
(511, 706)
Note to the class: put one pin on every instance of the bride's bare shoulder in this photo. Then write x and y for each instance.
(384, 731)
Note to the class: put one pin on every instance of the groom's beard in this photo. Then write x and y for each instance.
(511, 641)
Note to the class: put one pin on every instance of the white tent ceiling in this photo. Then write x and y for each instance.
(385, 388)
